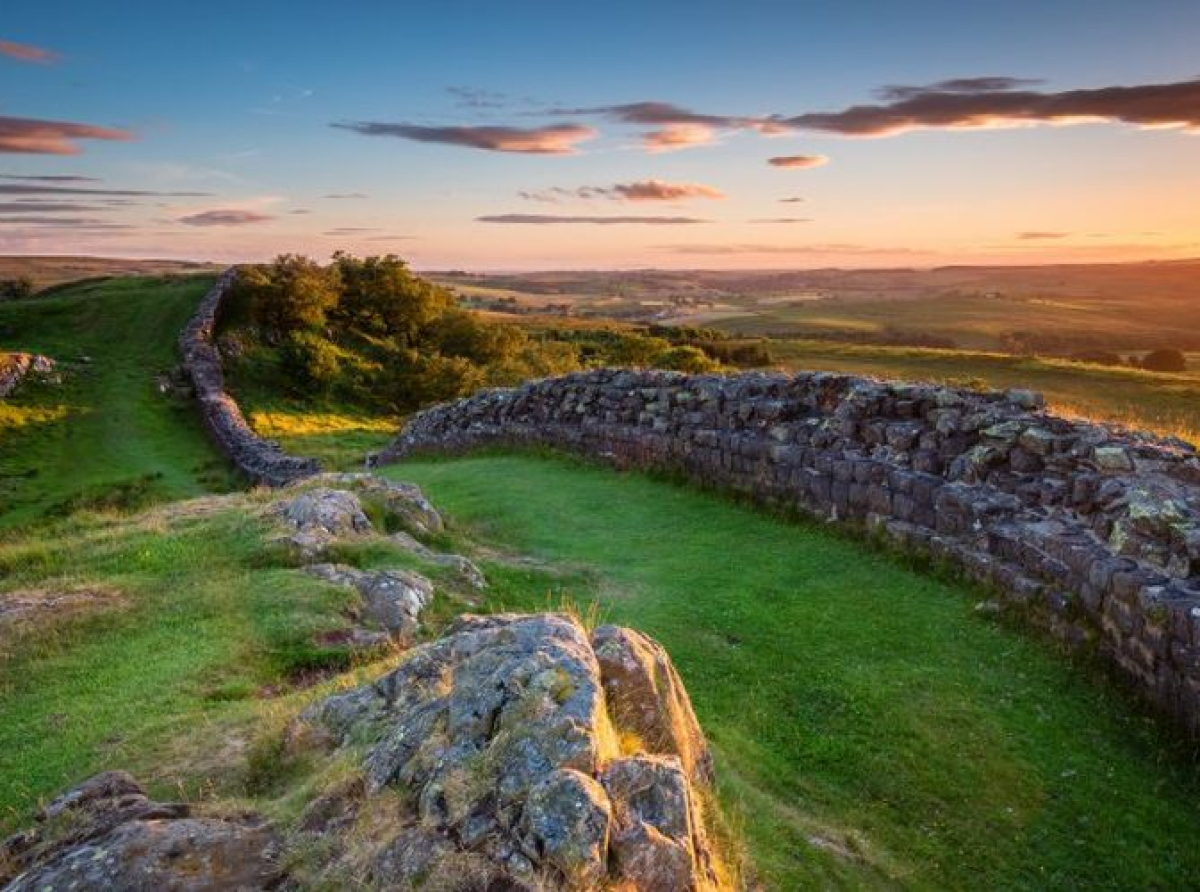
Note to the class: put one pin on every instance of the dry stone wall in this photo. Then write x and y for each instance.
(1093, 532)
(261, 460)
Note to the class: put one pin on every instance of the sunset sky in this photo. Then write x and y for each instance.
(534, 135)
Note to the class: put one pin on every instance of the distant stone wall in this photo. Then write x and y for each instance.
(261, 460)
(14, 367)
(1094, 532)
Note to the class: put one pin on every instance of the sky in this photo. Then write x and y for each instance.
(549, 135)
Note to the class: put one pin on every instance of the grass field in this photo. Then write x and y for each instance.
(871, 727)
(1168, 404)
(106, 432)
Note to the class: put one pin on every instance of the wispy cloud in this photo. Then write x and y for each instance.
(553, 219)
(25, 52)
(794, 199)
(991, 102)
(226, 217)
(341, 196)
(87, 223)
(350, 230)
(41, 189)
(49, 178)
(476, 98)
(36, 137)
(782, 220)
(554, 139)
(47, 207)
(724, 248)
(800, 162)
(640, 190)
(675, 127)
(1038, 235)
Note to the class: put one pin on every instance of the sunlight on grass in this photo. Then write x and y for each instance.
(13, 418)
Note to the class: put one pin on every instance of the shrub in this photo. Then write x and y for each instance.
(16, 289)
(310, 361)
(1167, 359)
(292, 294)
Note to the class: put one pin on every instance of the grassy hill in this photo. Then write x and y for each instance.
(106, 433)
(50, 271)
(872, 728)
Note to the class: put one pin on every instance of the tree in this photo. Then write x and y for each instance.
(292, 294)
(1166, 359)
(380, 296)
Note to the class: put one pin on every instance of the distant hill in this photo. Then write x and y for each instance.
(46, 271)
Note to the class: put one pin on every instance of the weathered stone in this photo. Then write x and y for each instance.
(332, 512)
(393, 599)
(1113, 458)
(499, 737)
(646, 696)
(106, 834)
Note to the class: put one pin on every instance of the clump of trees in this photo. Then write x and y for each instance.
(16, 289)
(368, 331)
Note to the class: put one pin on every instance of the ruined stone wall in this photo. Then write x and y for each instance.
(261, 460)
(1093, 532)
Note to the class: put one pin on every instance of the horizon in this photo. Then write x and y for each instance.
(699, 139)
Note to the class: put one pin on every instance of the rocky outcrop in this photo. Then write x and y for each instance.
(1091, 531)
(502, 741)
(16, 367)
(260, 460)
(107, 834)
(392, 599)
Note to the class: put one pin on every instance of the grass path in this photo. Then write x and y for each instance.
(871, 728)
(107, 430)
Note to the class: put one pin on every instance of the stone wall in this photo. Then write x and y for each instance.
(1093, 532)
(261, 460)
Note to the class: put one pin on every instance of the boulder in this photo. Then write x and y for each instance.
(500, 739)
(403, 501)
(392, 599)
(107, 834)
(326, 512)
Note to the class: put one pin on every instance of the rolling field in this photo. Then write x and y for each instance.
(106, 434)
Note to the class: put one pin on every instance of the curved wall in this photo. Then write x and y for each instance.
(260, 460)
(1093, 532)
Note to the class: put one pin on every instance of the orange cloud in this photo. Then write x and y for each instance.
(26, 53)
(799, 162)
(35, 137)
(556, 139)
(674, 137)
(1036, 236)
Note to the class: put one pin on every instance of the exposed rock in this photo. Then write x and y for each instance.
(464, 567)
(403, 501)
(334, 512)
(106, 834)
(658, 841)
(499, 737)
(392, 599)
(17, 367)
(646, 696)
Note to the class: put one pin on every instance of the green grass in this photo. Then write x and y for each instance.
(1160, 402)
(207, 618)
(106, 426)
(854, 704)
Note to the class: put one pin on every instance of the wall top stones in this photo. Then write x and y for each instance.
(261, 460)
(1092, 530)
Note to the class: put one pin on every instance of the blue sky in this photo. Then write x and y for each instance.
(237, 102)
